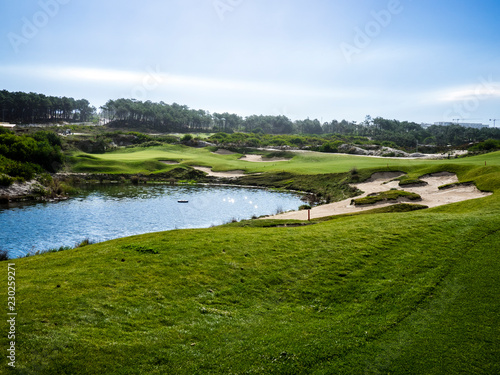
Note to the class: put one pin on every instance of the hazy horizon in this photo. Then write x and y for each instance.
(400, 59)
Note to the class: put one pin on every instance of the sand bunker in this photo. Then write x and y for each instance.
(260, 159)
(222, 151)
(227, 174)
(169, 162)
(431, 195)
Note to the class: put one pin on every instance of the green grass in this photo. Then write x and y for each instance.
(141, 160)
(403, 292)
(148, 160)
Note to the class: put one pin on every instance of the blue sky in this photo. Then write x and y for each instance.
(415, 60)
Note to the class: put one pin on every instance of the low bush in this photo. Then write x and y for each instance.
(6, 180)
(488, 145)
(386, 196)
(4, 255)
(405, 181)
(151, 144)
(85, 242)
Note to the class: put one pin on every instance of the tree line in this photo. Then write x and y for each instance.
(129, 113)
(180, 118)
(19, 107)
(26, 108)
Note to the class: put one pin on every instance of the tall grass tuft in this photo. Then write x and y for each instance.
(87, 241)
(4, 255)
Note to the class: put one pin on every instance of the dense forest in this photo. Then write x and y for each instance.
(26, 108)
(126, 113)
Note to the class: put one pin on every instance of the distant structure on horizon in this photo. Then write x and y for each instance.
(6, 125)
(464, 124)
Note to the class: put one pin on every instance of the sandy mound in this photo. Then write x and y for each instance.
(384, 176)
(379, 182)
(227, 174)
(222, 151)
(260, 159)
(431, 195)
(18, 189)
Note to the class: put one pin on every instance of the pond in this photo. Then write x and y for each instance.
(101, 213)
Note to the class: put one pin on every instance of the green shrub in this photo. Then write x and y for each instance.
(404, 181)
(331, 146)
(386, 196)
(85, 242)
(25, 171)
(280, 154)
(4, 255)
(151, 144)
(6, 180)
(488, 145)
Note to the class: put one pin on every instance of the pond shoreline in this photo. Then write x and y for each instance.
(33, 191)
(107, 211)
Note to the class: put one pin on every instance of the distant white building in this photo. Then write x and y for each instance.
(464, 124)
(6, 125)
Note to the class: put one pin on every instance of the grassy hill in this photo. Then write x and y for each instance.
(147, 160)
(378, 293)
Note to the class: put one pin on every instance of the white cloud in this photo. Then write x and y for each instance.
(168, 81)
(484, 89)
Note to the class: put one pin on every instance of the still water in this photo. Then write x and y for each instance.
(107, 212)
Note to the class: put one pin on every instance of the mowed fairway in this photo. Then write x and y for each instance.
(392, 293)
(148, 160)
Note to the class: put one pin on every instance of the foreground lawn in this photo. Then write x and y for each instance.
(414, 292)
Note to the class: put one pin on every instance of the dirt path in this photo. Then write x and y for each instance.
(431, 195)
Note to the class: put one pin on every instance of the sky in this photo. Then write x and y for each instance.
(412, 60)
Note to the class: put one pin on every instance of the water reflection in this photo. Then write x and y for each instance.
(106, 212)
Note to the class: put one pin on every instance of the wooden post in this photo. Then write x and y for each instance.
(308, 215)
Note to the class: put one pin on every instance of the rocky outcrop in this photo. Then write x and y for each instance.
(373, 151)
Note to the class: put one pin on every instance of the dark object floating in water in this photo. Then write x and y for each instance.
(182, 201)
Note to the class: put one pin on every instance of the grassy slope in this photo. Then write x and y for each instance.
(145, 160)
(413, 292)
